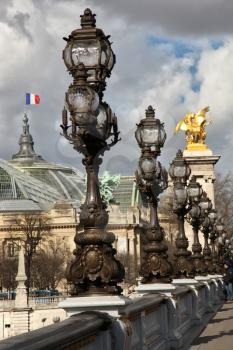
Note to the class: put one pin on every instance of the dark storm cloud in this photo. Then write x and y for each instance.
(4, 5)
(19, 22)
(175, 17)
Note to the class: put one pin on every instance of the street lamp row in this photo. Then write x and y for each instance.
(91, 127)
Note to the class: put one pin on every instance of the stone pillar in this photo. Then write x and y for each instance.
(21, 293)
(202, 165)
(21, 312)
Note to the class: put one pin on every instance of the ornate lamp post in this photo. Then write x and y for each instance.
(90, 59)
(218, 257)
(151, 180)
(206, 206)
(194, 218)
(213, 237)
(179, 172)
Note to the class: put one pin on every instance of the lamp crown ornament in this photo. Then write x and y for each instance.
(88, 19)
(179, 154)
(150, 112)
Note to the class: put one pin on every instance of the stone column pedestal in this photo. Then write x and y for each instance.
(20, 321)
(21, 312)
(202, 165)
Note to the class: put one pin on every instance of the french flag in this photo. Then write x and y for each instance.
(32, 99)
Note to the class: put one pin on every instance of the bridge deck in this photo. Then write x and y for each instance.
(219, 331)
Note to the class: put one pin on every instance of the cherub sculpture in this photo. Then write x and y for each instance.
(194, 126)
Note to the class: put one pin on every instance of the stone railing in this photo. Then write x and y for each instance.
(151, 321)
(41, 302)
(34, 303)
(6, 304)
(88, 330)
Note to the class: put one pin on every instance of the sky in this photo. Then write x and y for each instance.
(176, 55)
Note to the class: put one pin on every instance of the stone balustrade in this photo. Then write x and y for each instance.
(41, 302)
(151, 321)
(34, 303)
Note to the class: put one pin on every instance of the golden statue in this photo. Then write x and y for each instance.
(194, 126)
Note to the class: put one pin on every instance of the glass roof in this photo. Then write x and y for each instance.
(126, 193)
(14, 184)
(69, 182)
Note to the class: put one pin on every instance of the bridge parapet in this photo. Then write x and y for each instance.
(150, 321)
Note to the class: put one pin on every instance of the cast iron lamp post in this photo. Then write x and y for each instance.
(206, 206)
(213, 268)
(219, 257)
(194, 218)
(151, 179)
(89, 59)
(179, 172)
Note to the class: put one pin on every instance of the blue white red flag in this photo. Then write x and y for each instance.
(32, 99)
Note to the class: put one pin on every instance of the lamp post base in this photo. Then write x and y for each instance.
(184, 281)
(202, 278)
(215, 276)
(111, 304)
(164, 288)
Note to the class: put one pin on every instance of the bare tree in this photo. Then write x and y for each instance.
(28, 231)
(223, 188)
(166, 211)
(49, 264)
(8, 272)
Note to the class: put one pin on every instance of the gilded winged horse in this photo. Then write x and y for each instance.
(194, 126)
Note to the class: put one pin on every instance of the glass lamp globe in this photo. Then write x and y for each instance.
(220, 240)
(105, 119)
(213, 216)
(180, 195)
(220, 226)
(194, 190)
(179, 169)
(205, 203)
(90, 46)
(150, 132)
(194, 212)
(206, 222)
(82, 101)
(148, 167)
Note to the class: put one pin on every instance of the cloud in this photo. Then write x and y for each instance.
(175, 18)
(172, 72)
